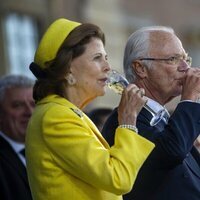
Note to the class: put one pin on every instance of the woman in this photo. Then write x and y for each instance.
(67, 158)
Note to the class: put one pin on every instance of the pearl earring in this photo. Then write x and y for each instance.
(70, 79)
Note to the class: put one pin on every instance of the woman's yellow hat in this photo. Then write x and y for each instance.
(52, 40)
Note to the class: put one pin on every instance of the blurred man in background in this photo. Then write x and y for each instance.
(16, 106)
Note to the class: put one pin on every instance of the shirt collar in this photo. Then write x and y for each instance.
(15, 145)
(156, 106)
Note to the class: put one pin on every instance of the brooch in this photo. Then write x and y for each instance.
(78, 112)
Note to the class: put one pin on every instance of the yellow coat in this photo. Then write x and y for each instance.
(68, 159)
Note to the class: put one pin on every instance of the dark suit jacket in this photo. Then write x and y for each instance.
(172, 171)
(13, 178)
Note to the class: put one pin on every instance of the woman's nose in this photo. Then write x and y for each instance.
(107, 66)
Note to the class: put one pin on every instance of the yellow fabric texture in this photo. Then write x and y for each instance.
(52, 40)
(68, 159)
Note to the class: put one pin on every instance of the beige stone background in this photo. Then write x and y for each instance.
(118, 19)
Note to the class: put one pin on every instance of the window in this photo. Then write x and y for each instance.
(21, 37)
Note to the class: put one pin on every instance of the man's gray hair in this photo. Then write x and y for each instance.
(137, 46)
(14, 81)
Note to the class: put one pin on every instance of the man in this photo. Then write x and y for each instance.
(155, 60)
(16, 106)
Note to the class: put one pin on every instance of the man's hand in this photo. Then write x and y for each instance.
(191, 85)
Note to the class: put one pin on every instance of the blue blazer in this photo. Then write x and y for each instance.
(172, 171)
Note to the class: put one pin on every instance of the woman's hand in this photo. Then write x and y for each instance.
(131, 103)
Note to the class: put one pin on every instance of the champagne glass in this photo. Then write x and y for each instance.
(117, 83)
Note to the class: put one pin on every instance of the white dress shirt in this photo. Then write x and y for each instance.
(17, 147)
(156, 107)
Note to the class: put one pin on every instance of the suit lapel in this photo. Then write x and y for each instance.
(59, 100)
(192, 164)
(192, 160)
(146, 116)
(9, 156)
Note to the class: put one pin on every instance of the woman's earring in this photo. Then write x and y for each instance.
(70, 79)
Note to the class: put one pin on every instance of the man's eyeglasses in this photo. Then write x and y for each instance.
(173, 60)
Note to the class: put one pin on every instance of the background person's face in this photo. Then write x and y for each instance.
(164, 79)
(16, 109)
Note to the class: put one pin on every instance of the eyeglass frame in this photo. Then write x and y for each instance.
(176, 60)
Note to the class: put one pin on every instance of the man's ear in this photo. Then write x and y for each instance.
(139, 69)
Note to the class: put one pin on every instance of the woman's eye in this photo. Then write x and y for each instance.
(97, 57)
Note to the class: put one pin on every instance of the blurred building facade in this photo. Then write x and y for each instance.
(24, 21)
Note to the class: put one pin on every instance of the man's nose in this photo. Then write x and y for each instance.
(184, 66)
(29, 109)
